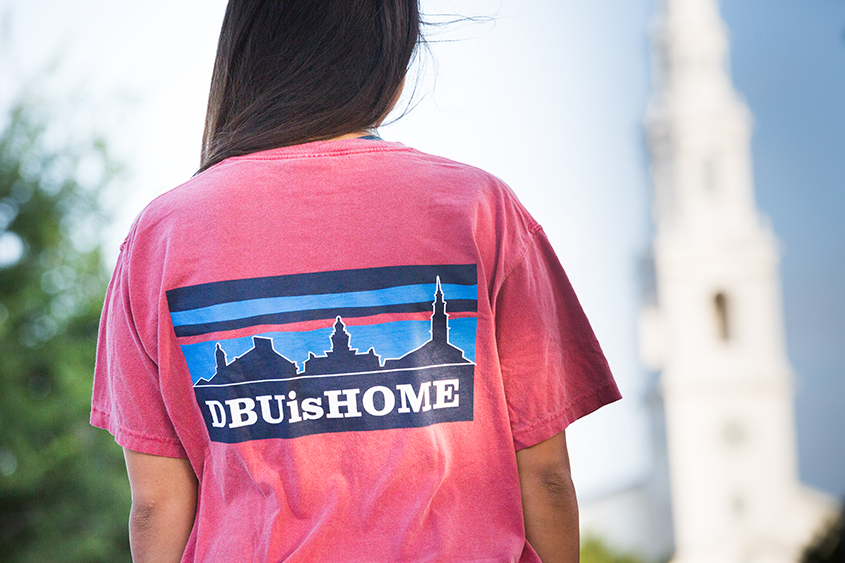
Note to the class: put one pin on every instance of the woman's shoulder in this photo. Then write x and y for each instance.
(348, 164)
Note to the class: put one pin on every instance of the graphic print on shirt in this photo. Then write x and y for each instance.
(279, 357)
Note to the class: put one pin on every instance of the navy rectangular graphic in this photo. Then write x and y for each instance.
(278, 357)
(400, 398)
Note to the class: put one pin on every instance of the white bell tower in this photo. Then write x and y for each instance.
(716, 331)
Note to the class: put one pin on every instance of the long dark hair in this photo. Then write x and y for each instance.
(293, 71)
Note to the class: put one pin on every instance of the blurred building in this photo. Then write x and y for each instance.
(714, 329)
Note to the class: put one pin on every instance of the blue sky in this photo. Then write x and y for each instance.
(788, 60)
(550, 96)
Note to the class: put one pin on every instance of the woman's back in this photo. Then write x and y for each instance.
(345, 349)
(304, 367)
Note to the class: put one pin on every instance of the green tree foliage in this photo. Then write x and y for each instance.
(63, 491)
(593, 550)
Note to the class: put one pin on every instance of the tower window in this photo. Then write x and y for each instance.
(723, 321)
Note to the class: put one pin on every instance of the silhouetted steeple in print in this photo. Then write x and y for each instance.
(439, 320)
(260, 362)
(436, 351)
(341, 358)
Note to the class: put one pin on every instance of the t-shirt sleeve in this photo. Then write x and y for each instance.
(553, 368)
(127, 399)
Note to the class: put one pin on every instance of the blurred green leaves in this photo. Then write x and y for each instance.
(63, 490)
(593, 550)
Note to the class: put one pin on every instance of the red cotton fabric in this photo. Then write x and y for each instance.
(348, 340)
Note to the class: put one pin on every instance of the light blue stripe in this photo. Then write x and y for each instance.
(254, 307)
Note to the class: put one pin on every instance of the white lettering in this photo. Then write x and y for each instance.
(312, 408)
(389, 400)
(350, 403)
(446, 391)
(267, 413)
(243, 412)
(218, 413)
(294, 408)
(421, 399)
(376, 401)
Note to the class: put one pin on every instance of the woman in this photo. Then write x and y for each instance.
(327, 347)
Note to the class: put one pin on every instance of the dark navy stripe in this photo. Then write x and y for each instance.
(454, 306)
(339, 281)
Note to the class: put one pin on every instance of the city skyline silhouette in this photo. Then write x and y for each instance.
(262, 361)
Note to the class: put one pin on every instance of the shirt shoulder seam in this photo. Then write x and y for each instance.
(533, 232)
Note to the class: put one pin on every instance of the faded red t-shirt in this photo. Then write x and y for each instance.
(348, 340)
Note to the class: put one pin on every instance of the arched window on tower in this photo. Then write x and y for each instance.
(721, 310)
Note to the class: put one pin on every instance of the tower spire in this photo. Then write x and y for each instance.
(716, 331)
(219, 357)
(699, 127)
(340, 338)
(439, 319)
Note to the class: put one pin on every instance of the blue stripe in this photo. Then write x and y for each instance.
(256, 307)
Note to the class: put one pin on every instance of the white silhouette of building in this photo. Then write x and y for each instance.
(715, 331)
